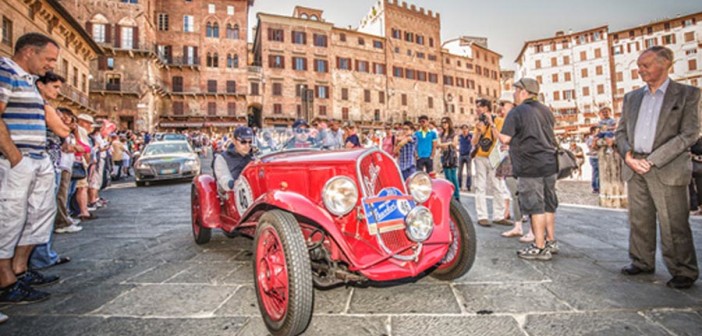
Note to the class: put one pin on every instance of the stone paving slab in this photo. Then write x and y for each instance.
(600, 323)
(513, 298)
(413, 299)
(169, 301)
(678, 322)
(455, 325)
(168, 326)
(331, 325)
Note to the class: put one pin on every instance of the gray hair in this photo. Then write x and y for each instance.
(662, 53)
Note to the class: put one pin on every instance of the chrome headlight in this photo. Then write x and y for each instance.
(419, 186)
(420, 224)
(142, 165)
(192, 164)
(340, 195)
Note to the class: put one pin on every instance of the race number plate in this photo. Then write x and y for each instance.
(387, 211)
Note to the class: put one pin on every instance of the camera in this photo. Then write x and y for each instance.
(483, 118)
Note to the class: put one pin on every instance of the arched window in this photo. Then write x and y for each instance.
(230, 61)
(208, 30)
(314, 17)
(235, 33)
(215, 30)
(230, 31)
(236, 61)
(212, 60)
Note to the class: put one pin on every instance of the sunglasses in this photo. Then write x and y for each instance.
(245, 142)
(301, 130)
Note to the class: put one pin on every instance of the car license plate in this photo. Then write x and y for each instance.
(168, 171)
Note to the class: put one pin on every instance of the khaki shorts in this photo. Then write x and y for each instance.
(95, 178)
(27, 203)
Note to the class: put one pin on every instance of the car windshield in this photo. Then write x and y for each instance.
(171, 137)
(167, 148)
(276, 139)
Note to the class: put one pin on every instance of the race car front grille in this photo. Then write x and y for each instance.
(395, 240)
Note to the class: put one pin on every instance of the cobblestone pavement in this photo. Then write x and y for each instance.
(137, 271)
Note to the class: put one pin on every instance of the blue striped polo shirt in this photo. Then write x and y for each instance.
(24, 112)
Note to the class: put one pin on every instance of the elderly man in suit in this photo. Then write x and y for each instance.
(659, 123)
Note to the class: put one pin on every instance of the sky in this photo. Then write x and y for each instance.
(506, 23)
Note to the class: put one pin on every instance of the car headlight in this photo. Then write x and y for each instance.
(192, 164)
(340, 195)
(419, 186)
(142, 165)
(420, 224)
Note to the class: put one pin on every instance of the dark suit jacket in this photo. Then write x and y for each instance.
(678, 128)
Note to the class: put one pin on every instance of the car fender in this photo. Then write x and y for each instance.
(439, 203)
(299, 206)
(206, 188)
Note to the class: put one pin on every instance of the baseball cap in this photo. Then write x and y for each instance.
(528, 84)
(243, 133)
(299, 123)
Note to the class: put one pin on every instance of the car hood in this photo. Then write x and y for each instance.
(313, 157)
(168, 157)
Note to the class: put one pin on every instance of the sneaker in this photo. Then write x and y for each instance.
(36, 279)
(532, 252)
(91, 208)
(484, 222)
(74, 221)
(20, 293)
(3, 318)
(69, 229)
(552, 246)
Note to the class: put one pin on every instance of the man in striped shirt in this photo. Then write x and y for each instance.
(27, 198)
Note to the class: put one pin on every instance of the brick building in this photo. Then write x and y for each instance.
(392, 68)
(77, 48)
(171, 64)
(581, 72)
(574, 72)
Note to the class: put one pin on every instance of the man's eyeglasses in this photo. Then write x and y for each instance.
(301, 130)
(245, 142)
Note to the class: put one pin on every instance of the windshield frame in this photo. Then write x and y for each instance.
(147, 151)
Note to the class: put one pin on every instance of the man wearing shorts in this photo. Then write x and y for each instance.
(27, 176)
(528, 130)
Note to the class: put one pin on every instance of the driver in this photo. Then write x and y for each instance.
(231, 162)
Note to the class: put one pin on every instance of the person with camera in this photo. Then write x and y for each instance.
(426, 145)
(528, 131)
(485, 135)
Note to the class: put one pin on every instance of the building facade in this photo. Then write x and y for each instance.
(584, 71)
(49, 17)
(683, 35)
(393, 67)
(574, 72)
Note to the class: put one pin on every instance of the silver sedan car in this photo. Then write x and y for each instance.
(167, 160)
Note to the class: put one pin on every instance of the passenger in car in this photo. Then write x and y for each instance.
(231, 162)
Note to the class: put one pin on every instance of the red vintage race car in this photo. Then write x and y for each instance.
(326, 218)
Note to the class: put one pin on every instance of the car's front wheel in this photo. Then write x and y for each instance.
(201, 234)
(461, 254)
(283, 275)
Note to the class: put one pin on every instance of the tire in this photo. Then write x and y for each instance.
(140, 183)
(279, 239)
(461, 253)
(202, 235)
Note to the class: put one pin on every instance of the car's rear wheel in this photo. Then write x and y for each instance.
(461, 254)
(201, 234)
(283, 275)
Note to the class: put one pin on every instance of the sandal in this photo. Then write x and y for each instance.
(87, 218)
(511, 234)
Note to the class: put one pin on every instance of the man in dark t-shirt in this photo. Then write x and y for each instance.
(528, 129)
